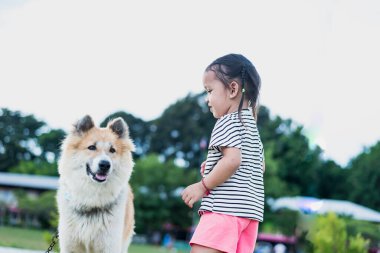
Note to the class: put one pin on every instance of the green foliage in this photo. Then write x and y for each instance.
(139, 130)
(329, 235)
(298, 161)
(40, 207)
(182, 129)
(26, 139)
(37, 167)
(291, 164)
(53, 223)
(280, 222)
(18, 133)
(157, 186)
(357, 244)
(50, 143)
(332, 181)
(364, 177)
(367, 229)
(48, 238)
(275, 186)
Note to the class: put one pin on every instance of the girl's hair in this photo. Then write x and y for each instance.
(235, 67)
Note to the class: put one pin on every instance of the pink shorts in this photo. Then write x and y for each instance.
(226, 233)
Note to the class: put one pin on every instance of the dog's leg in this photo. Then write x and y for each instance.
(68, 241)
(65, 247)
(107, 244)
(63, 239)
(68, 246)
(129, 221)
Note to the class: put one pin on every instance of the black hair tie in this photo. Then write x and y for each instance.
(243, 73)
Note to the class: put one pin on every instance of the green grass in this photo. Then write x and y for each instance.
(146, 249)
(22, 238)
(36, 240)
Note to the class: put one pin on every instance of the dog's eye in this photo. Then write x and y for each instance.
(92, 147)
(112, 150)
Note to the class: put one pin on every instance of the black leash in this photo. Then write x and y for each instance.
(54, 240)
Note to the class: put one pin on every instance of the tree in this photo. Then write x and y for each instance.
(329, 235)
(364, 177)
(291, 164)
(275, 186)
(282, 221)
(139, 130)
(40, 207)
(269, 127)
(332, 181)
(369, 230)
(18, 138)
(183, 130)
(50, 143)
(37, 167)
(357, 244)
(157, 186)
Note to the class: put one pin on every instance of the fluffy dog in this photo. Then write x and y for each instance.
(95, 201)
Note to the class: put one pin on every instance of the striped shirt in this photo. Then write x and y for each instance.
(242, 194)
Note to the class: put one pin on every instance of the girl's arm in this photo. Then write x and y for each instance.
(223, 170)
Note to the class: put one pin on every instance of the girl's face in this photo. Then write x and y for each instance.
(218, 95)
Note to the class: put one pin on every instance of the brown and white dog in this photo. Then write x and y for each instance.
(95, 201)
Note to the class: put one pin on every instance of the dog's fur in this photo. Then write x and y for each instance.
(95, 201)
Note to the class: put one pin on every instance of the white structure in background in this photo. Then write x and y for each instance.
(28, 181)
(322, 206)
(33, 185)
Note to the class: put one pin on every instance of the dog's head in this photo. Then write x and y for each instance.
(101, 154)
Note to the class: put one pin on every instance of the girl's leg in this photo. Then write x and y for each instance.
(215, 233)
(248, 237)
(195, 248)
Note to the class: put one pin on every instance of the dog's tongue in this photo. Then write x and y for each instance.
(100, 177)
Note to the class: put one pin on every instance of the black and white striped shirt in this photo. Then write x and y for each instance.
(242, 194)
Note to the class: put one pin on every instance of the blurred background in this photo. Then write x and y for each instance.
(144, 61)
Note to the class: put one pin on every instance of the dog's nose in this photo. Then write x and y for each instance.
(104, 165)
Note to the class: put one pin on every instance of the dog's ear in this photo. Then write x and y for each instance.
(83, 125)
(119, 127)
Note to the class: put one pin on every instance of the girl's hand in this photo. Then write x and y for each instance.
(203, 166)
(193, 193)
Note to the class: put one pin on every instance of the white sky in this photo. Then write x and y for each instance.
(318, 59)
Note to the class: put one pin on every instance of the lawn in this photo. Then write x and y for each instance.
(22, 238)
(35, 240)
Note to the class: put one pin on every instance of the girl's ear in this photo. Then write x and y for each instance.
(234, 89)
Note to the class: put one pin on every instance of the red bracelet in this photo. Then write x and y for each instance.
(204, 185)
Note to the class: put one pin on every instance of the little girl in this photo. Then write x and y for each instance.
(232, 177)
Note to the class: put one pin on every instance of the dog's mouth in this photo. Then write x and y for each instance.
(98, 177)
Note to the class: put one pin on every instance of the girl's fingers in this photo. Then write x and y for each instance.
(186, 198)
(190, 202)
(203, 165)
